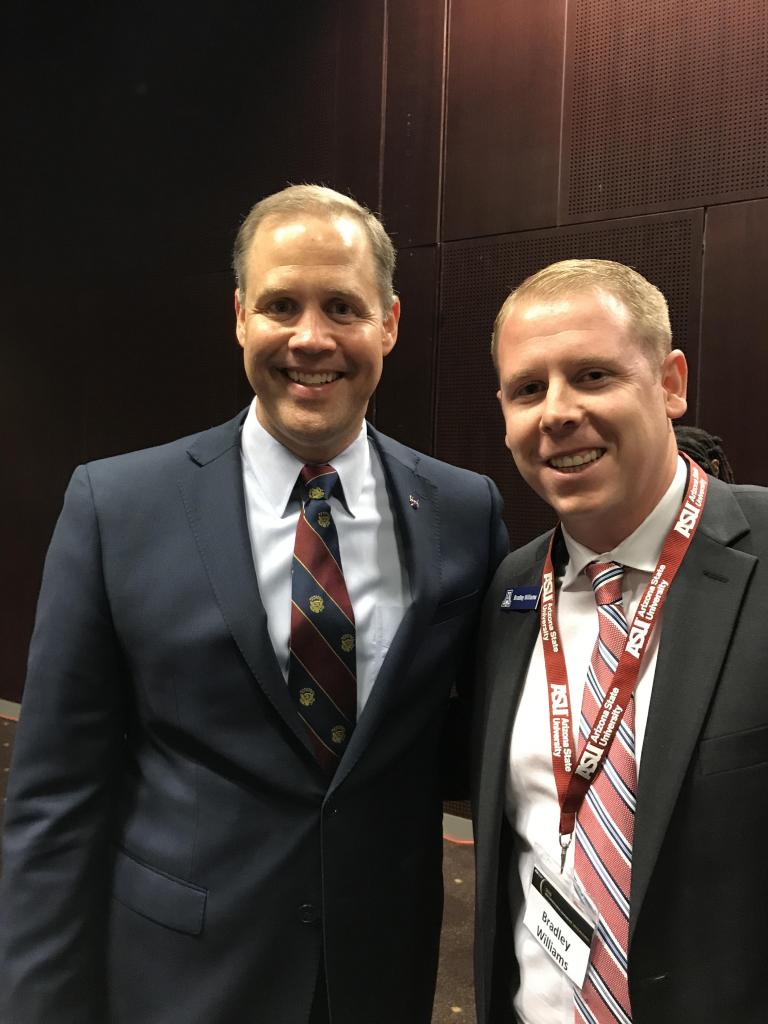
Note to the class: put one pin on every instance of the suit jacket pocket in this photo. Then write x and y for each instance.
(455, 607)
(161, 898)
(736, 750)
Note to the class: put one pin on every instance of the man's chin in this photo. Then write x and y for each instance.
(316, 440)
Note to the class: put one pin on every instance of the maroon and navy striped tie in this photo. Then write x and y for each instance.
(606, 822)
(322, 676)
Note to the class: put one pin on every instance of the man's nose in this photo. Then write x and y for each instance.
(313, 332)
(561, 409)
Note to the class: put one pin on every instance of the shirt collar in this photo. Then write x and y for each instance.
(276, 469)
(641, 549)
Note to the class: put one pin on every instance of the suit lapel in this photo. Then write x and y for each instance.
(507, 642)
(212, 490)
(699, 618)
(415, 506)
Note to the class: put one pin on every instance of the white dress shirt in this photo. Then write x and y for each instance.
(545, 994)
(373, 566)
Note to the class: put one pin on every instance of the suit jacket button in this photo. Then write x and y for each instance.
(307, 913)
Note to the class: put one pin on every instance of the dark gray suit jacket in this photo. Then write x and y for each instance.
(698, 937)
(172, 852)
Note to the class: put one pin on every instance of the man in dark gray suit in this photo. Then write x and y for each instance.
(621, 761)
(223, 809)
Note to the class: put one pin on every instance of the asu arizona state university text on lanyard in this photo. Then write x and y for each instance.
(572, 781)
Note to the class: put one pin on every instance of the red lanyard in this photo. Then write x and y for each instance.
(573, 776)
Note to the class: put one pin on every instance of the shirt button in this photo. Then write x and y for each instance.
(307, 913)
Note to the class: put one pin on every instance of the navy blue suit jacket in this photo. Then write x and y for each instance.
(173, 854)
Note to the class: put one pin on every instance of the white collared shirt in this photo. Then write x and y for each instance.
(545, 995)
(374, 570)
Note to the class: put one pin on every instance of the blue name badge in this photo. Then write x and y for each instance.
(521, 599)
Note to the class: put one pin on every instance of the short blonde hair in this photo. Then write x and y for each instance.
(323, 202)
(647, 307)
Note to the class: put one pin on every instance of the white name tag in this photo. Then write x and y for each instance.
(561, 925)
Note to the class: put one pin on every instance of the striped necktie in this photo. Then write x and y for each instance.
(322, 667)
(606, 821)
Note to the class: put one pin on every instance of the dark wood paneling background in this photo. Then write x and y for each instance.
(665, 105)
(504, 93)
(494, 135)
(413, 120)
(402, 401)
(734, 334)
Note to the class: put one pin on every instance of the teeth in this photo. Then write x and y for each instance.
(567, 461)
(311, 378)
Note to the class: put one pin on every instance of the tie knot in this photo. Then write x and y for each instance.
(318, 483)
(605, 578)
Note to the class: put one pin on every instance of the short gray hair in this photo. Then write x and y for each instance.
(647, 307)
(324, 202)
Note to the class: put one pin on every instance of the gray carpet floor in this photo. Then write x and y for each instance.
(454, 999)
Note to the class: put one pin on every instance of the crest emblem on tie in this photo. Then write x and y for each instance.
(322, 677)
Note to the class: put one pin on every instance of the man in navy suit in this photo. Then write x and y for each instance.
(176, 851)
(619, 786)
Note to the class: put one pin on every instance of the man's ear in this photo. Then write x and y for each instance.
(239, 319)
(390, 323)
(674, 380)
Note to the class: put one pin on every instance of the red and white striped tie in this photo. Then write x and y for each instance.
(606, 822)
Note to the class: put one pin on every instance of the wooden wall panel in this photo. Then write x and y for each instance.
(310, 105)
(413, 120)
(93, 372)
(734, 365)
(160, 369)
(666, 105)
(478, 274)
(405, 396)
(358, 97)
(310, 108)
(504, 89)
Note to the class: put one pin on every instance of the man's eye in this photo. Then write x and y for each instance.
(529, 390)
(593, 376)
(340, 308)
(280, 307)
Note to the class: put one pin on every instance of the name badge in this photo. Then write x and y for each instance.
(561, 924)
(521, 599)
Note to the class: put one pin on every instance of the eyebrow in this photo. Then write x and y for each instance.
(517, 377)
(271, 293)
(582, 363)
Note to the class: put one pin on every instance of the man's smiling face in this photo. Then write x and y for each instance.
(587, 409)
(312, 330)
